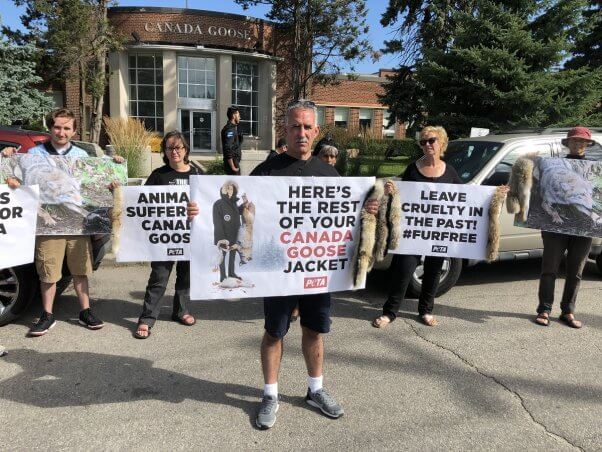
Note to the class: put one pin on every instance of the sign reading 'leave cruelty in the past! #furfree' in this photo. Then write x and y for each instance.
(444, 219)
(268, 236)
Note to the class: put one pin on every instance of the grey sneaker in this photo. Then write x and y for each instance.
(325, 402)
(266, 416)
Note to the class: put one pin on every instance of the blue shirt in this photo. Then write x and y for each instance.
(75, 151)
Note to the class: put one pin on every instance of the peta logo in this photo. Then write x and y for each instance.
(175, 251)
(439, 249)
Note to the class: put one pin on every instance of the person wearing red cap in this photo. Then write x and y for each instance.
(554, 247)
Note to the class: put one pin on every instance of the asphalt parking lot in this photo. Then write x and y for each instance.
(486, 378)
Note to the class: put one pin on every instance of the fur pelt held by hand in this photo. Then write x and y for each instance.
(388, 227)
(495, 209)
(364, 253)
(521, 180)
(116, 213)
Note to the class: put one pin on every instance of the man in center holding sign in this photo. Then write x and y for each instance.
(301, 130)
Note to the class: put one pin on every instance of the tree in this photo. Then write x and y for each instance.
(19, 99)
(73, 38)
(499, 69)
(319, 36)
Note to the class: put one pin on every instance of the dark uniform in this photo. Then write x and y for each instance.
(231, 141)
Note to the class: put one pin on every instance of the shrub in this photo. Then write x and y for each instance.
(131, 140)
(155, 143)
(215, 167)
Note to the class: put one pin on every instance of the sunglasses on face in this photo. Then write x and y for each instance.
(431, 141)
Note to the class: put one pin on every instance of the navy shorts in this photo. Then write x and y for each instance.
(314, 313)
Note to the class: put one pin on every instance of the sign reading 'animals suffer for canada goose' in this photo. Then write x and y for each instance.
(269, 236)
(562, 195)
(18, 210)
(446, 220)
(153, 224)
(74, 194)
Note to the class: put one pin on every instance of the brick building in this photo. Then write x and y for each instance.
(182, 68)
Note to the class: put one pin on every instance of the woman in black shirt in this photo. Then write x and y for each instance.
(176, 171)
(428, 168)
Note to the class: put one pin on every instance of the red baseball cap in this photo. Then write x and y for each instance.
(578, 132)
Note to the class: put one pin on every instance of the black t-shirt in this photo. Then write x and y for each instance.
(576, 157)
(166, 175)
(285, 165)
(412, 174)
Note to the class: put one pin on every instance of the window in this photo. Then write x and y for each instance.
(388, 132)
(146, 89)
(365, 118)
(341, 116)
(320, 116)
(196, 77)
(245, 83)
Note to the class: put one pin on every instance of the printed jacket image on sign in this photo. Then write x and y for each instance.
(74, 194)
(268, 235)
(18, 212)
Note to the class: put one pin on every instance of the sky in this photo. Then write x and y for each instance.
(9, 15)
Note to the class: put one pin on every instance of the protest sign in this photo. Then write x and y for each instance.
(268, 236)
(154, 224)
(446, 220)
(74, 194)
(18, 211)
(566, 197)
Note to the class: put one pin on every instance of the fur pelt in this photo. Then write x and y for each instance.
(388, 227)
(521, 180)
(245, 233)
(364, 258)
(116, 213)
(495, 209)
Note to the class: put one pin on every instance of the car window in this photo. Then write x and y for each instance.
(593, 152)
(543, 150)
(469, 157)
(6, 144)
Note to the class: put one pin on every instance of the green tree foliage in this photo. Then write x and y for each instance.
(72, 38)
(322, 35)
(19, 99)
(588, 48)
(499, 68)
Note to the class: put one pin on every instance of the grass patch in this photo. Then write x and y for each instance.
(386, 168)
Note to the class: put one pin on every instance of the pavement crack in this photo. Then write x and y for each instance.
(514, 393)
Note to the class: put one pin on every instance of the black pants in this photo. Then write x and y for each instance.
(229, 171)
(155, 289)
(231, 258)
(401, 271)
(554, 246)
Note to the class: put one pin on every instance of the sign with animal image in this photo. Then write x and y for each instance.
(153, 225)
(74, 194)
(447, 220)
(267, 236)
(557, 195)
(18, 211)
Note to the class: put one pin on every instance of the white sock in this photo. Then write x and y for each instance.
(271, 390)
(315, 383)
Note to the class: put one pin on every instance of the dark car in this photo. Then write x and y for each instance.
(20, 285)
(21, 139)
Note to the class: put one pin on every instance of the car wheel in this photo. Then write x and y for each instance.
(599, 262)
(17, 288)
(450, 273)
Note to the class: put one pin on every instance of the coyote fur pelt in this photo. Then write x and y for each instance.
(521, 180)
(495, 209)
(116, 212)
(245, 233)
(378, 232)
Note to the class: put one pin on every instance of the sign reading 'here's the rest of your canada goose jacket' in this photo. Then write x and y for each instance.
(267, 236)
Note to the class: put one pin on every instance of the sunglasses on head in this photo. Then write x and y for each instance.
(431, 140)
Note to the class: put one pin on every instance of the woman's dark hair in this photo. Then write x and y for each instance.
(178, 135)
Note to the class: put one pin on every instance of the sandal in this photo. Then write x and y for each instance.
(186, 319)
(142, 333)
(569, 320)
(543, 319)
(429, 320)
(381, 321)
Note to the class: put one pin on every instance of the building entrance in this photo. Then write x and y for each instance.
(197, 126)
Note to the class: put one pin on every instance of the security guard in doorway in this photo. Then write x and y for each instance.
(231, 141)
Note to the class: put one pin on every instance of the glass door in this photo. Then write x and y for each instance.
(197, 126)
